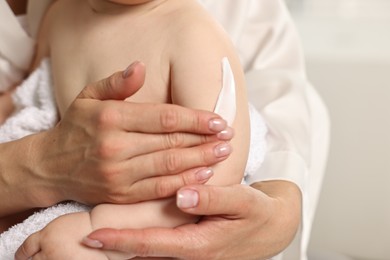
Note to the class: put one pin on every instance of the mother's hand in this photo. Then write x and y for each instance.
(108, 150)
(241, 223)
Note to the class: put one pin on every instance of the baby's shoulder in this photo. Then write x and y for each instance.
(62, 11)
(192, 18)
(194, 29)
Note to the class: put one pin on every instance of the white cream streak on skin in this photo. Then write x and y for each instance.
(226, 103)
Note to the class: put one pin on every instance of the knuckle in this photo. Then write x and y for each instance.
(169, 119)
(188, 178)
(107, 117)
(116, 196)
(212, 199)
(105, 149)
(205, 156)
(172, 162)
(142, 247)
(196, 120)
(205, 139)
(108, 176)
(174, 140)
(109, 82)
(164, 188)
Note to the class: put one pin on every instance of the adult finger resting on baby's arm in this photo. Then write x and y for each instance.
(168, 118)
(29, 248)
(150, 242)
(134, 144)
(173, 161)
(118, 86)
(167, 186)
(231, 202)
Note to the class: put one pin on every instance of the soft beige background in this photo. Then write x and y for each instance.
(347, 47)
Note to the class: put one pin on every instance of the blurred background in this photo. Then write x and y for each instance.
(347, 48)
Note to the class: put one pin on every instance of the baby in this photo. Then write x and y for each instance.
(182, 48)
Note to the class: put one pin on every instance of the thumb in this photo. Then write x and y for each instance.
(229, 201)
(118, 86)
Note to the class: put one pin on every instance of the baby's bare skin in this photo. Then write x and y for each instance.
(182, 48)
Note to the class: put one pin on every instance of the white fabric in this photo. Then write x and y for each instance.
(35, 110)
(271, 55)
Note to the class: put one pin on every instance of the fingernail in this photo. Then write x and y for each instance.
(217, 124)
(222, 150)
(226, 134)
(204, 174)
(187, 199)
(129, 70)
(92, 243)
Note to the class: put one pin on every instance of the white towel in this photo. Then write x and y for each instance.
(35, 106)
(36, 111)
(11, 239)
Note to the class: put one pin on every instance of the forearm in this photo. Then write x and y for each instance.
(287, 214)
(21, 188)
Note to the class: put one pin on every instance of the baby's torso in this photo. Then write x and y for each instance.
(86, 46)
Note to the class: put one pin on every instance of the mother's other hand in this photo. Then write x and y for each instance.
(241, 222)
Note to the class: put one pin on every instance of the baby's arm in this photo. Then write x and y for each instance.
(196, 81)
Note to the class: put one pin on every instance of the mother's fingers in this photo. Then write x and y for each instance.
(211, 200)
(167, 118)
(29, 248)
(167, 186)
(174, 161)
(118, 86)
(129, 145)
(146, 242)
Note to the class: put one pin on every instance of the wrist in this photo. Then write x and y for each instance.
(17, 185)
(27, 183)
(287, 201)
(47, 190)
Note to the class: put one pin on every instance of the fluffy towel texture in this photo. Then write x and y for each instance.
(37, 112)
(14, 237)
(35, 106)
